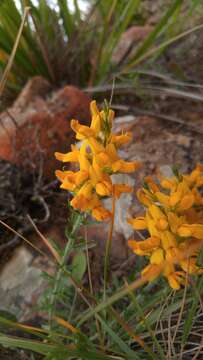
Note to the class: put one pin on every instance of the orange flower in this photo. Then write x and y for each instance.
(174, 221)
(97, 159)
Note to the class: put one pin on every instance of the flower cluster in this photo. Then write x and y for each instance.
(174, 220)
(97, 158)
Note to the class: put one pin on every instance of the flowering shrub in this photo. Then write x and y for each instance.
(97, 159)
(174, 220)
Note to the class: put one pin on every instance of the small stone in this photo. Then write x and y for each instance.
(183, 140)
(123, 205)
(166, 171)
(19, 280)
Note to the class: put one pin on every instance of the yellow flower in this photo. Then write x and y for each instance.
(174, 220)
(97, 160)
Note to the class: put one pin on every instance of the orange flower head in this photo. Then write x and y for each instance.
(174, 220)
(97, 159)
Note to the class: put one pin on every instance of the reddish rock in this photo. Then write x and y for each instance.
(38, 124)
(129, 41)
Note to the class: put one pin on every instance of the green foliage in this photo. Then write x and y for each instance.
(79, 266)
(129, 314)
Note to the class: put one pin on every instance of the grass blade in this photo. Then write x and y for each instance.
(122, 345)
(66, 16)
(159, 47)
(11, 58)
(149, 41)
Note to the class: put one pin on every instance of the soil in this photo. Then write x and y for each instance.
(8, 354)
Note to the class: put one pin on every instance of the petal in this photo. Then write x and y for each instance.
(187, 202)
(104, 188)
(125, 166)
(61, 175)
(189, 265)
(162, 224)
(82, 131)
(138, 223)
(199, 181)
(152, 185)
(93, 108)
(86, 190)
(151, 225)
(184, 231)
(96, 124)
(197, 231)
(174, 221)
(68, 185)
(71, 156)
(174, 281)
(80, 177)
(121, 188)
(168, 240)
(103, 159)
(168, 183)
(143, 198)
(144, 247)
(155, 212)
(174, 198)
(121, 139)
(162, 198)
(96, 147)
(112, 152)
(157, 256)
(84, 163)
(151, 271)
(101, 214)
(80, 202)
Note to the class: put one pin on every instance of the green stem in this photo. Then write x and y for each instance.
(60, 271)
(108, 245)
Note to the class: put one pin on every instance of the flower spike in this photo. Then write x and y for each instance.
(97, 160)
(174, 220)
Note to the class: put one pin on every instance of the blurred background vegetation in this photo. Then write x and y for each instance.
(75, 41)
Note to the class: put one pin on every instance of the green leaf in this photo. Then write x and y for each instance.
(66, 16)
(122, 345)
(79, 265)
(52, 349)
(189, 320)
(123, 17)
(7, 316)
(36, 346)
(147, 325)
